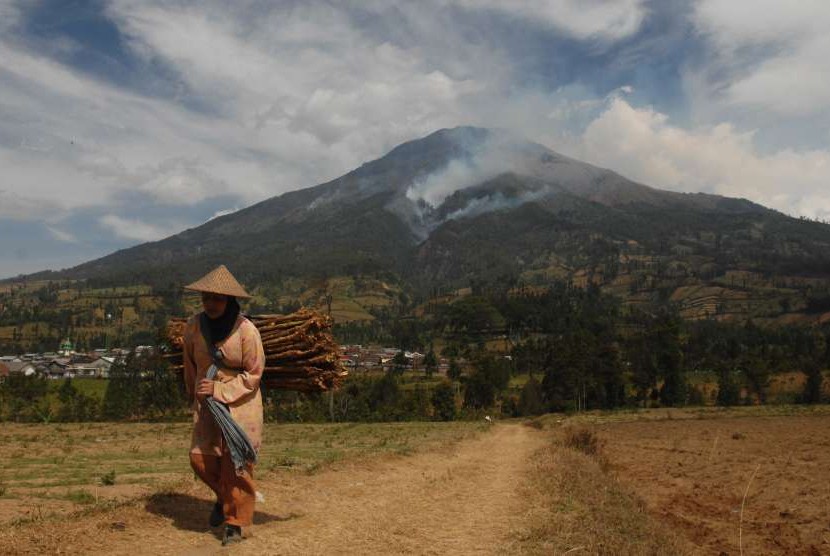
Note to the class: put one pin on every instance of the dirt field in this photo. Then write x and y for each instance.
(663, 482)
(47, 471)
(448, 497)
(693, 473)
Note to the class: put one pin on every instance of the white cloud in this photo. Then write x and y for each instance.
(9, 14)
(273, 97)
(179, 181)
(643, 145)
(293, 98)
(770, 54)
(20, 208)
(584, 19)
(61, 235)
(133, 229)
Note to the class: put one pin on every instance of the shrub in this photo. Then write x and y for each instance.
(108, 479)
(583, 440)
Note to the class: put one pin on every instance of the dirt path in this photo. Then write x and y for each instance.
(460, 500)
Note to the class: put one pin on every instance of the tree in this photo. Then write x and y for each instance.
(669, 360)
(607, 370)
(384, 398)
(430, 363)
(399, 362)
(479, 392)
(644, 370)
(454, 370)
(122, 398)
(74, 405)
(813, 385)
(443, 400)
(729, 391)
(25, 397)
(491, 377)
(757, 374)
(530, 400)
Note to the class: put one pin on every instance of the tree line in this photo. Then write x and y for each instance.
(563, 349)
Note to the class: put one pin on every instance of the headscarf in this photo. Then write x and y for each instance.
(221, 327)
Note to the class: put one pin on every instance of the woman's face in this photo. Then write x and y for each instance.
(214, 304)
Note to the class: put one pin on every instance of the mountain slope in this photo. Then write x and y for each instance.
(469, 204)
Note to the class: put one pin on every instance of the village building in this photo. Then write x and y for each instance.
(59, 368)
(98, 368)
(26, 368)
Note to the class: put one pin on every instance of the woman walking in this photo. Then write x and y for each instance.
(221, 336)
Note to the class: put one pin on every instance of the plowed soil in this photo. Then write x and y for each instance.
(693, 474)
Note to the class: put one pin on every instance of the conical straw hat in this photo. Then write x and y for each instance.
(219, 280)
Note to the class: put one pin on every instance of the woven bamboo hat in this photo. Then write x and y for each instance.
(219, 280)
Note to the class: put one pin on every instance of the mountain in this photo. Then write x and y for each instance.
(471, 205)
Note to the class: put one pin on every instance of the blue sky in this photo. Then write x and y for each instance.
(127, 121)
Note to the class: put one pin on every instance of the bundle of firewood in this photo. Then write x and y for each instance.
(300, 353)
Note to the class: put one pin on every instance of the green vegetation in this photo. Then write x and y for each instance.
(37, 316)
(509, 353)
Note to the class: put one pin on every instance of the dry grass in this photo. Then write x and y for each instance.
(453, 498)
(44, 469)
(577, 508)
(583, 440)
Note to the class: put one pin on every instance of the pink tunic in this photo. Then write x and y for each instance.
(242, 349)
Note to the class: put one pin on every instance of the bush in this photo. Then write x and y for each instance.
(108, 479)
(696, 396)
(583, 440)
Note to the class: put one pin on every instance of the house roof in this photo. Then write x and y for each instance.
(4, 369)
(19, 366)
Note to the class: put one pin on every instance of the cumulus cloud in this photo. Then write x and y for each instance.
(129, 228)
(248, 100)
(643, 145)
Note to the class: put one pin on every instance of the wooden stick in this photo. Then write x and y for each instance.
(743, 503)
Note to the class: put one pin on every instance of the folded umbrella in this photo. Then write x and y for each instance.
(239, 445)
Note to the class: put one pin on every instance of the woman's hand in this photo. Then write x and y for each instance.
(204, 388)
